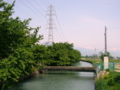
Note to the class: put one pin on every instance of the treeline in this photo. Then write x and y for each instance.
(19, 52)
(61, 54)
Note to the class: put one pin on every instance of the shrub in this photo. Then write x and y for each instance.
(111, 82)
(108, 70)
(117, 78)
(106, 76)
(101, 84)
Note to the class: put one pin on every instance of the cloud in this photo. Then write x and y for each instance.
(89, 47)
(114, 49)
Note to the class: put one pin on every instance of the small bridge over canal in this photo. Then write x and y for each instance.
(69, 68)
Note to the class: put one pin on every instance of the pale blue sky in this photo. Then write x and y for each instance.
(82, 21)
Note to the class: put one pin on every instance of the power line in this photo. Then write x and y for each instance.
(37, 10)
(50, 23)
(102, 50)
(8, 1)
(61, 28)
(113, 27)
(29, 8)
(29, 15)
(58, 34)
(26, 13)
(44, 2)
(39, 5)
(59, 25)
(58, 37)
(49, 1)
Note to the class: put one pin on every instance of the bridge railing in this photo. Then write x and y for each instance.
(102, 66)
(117, 65)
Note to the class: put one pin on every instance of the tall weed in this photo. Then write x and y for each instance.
(101, 84)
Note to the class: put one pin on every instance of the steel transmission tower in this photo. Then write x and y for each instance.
(50, 24)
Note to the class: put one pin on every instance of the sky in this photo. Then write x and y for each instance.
(81, 22)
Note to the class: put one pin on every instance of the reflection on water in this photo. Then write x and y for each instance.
(59, 81)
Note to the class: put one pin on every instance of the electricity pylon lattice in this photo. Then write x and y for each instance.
(50, 24)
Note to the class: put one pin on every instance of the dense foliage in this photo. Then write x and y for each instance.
(61, 54)
(102, 55)
(16, 55)
(109, 82)
(19, 53)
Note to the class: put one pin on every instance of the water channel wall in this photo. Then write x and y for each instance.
(23, 78)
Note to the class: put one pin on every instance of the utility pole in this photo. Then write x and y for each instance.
(105, 41)
(113, 54)
(95, 53)
(106, 62)
(50, 24)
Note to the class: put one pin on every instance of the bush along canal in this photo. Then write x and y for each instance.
(60, 80)
(107, 79)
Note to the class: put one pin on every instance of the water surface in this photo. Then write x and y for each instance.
(59, 80)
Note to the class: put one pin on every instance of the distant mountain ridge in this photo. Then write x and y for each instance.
(90, 52)
(84, 51)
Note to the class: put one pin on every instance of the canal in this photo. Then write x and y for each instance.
(60, 80)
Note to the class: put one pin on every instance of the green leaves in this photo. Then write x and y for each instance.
(16, 45)
(102, 55)
(110, 82)
(62, 54)
(14, 32)
(58, 54)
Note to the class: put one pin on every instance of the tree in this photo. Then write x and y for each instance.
(16, 45)
(19, 51)
(62, 54)
(102, 55)
(14, 32)
(40, 54)
(86, 56)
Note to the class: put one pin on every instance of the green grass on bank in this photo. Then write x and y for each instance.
(99, 60)
(117, 61)
(109, 82)
(93, 60)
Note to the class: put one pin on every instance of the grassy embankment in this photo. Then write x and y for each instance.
(93, 61)
(99, 60)
(110, 81)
